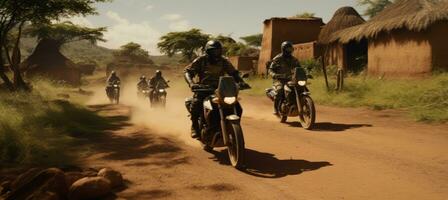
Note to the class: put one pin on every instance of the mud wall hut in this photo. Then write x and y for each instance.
(277, 30)
(244, 63)
(307, 51)
(343, 55)
(408, 38)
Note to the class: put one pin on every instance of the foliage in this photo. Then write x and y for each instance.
(134, 52)
(305, 15)
(253, 40)
(188, 43)
(66, 32)
(37, 129)
(240, 49)
(373, 7)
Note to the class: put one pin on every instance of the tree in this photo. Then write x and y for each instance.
(253, 40)
(305, 15)
(188, 43)
(373, 7)
(134, 52)
(14, 14)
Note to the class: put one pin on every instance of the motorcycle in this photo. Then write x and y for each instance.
(220, 119)
(113, 92)
(159, 95)
(297, 100)
(143, 93)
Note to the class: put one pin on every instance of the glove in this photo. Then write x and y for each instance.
(244, 85)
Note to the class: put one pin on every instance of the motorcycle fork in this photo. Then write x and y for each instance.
(225, 136)
(299, 101)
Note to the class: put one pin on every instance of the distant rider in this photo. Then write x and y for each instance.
(142, 84)
(156, 80)
(208, 68)
(281, 70)
(111, 80)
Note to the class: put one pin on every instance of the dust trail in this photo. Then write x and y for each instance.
(172, 121)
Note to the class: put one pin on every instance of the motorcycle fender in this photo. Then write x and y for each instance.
(233, 118)
(208, 105)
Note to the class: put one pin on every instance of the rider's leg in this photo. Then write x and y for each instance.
(278, 97)
(196, 108)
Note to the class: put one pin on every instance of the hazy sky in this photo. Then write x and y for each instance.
(144, 21)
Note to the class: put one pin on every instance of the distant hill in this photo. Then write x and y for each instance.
(84, 51)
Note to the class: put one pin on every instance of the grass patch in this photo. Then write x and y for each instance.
(38, 129)
(424, 99)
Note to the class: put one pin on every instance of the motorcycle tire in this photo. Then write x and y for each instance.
(236, 149)
(308, 115)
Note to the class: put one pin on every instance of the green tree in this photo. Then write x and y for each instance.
(188, 43)
(66, 32)
(373, 7)
(15, 14)
(305, 15)
(253, 40)
(134, 52)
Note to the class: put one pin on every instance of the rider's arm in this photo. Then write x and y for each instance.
(191, 70)
(230, 70)
(273, 68)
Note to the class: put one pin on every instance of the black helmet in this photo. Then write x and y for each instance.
(143, 77)
(158, 73)
(213, 48)
(287, 48)
(113, 73)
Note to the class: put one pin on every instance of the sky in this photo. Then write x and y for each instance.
(145, 21)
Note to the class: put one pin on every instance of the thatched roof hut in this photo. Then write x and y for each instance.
(412, 15)
(343, 18)
(345, 56)
(408, 38)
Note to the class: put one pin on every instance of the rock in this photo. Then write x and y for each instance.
(72, 177)
(89, 188)
(25, 178)
(5, 186)
(47, 184)
(115, 177)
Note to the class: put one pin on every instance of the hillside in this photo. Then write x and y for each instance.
(84, 51)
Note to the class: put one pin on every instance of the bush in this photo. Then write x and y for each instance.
(36, 129)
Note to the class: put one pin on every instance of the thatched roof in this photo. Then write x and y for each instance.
(343, 18)
(413, 15)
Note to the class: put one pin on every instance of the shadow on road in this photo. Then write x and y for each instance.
(329, 126)
(266, 165)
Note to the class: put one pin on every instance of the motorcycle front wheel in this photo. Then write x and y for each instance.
(236, 149)
(308, 116)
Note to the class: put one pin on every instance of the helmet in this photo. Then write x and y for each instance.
(287, 48)
(142, 78)
(213, 48)
(113, 73)
(158, 73)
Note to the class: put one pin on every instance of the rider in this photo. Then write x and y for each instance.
(281, 71)
(112, 79)
(208, 68)
(142, 84)
(156, 80)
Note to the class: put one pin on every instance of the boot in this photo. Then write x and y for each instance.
(277, 102)
(195, 130)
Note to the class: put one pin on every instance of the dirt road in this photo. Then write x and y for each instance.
(352, 154)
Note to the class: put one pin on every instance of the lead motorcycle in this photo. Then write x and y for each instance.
(113, 92)
(297, 101)
(220, 119)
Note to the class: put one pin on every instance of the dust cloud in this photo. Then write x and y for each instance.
(170, 121)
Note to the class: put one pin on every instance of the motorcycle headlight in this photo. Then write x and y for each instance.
(301, 83)
(115, 85)
(229, 100)
(161, 90)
